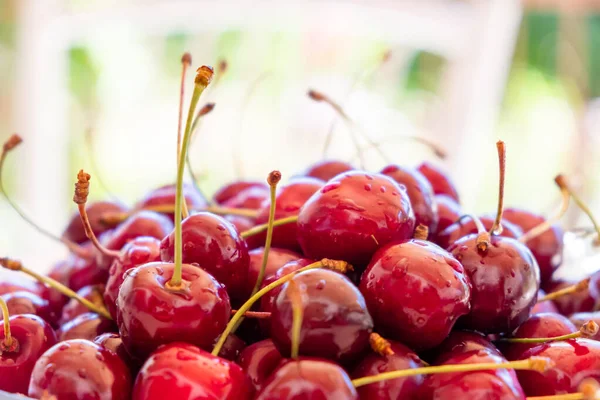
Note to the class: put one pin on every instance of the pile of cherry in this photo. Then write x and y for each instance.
(339, 284)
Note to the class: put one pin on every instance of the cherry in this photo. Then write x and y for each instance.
(467, 225)
(232, 189)
(308, 379)
(74, 230)
(461, 342)
(415, 292)
(259, 360)
(352, 216)
(419, 192)
(165, 196)
(335, 324)
(250, 198)
(80, 369)
(85, 326)
(277, 259)
(80, 272)
(241, 223)
(578, 301)
(440, 182)
(29, 303)
(73, 308)
(183, 371)
(449, 211)
(13, 286)
(112, 341)
(232, 348)
(326, 170)
(543, 306)
(579, 319)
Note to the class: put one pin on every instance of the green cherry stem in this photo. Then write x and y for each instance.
(296, 296)
(263, 227)
(497, 226)
(208, 107)
(577, 287)
(589, 329)
(561, 181)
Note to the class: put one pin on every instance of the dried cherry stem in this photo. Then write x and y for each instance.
(203, 77)
(336, 265)
(483, 236)
(589, 329)
(380, 345)
(296, 295)
(562, 183)
(421, 232)
(578, 287)
(9, 343)
(497, 226)
(15, 265)
(186, 62)
(207, 108)
(73, 247)
(263, 227)
(82, 190)
(540, 364)
(254, 314)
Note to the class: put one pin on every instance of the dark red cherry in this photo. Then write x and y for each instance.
(112, 341)
(335, 321)
(213, 244)
(440, 182)
(259, 360)
(419, 192)
(461, 342)
(401, 388)
(580, 301)
(466, 226)
(60, 272)
(415, 292)
(544, 306)
(86, 271)
(34, 336)
(80, 369)
(537, 326)
(504, 279)
(139, 251)
(449, 211)
(547, 248)
(232, 347)
(183, 371)
(73, 308)
(165, 196)
(29, 303)
(150, 314)
(250, 198)
(578, 319)
(327, 169)
(231, 189)
(574, 359)
(352, 216)
(85, 326)
(277, 259)
(290, 198)
(95, 211)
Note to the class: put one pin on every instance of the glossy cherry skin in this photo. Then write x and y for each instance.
(335, 321)
(150, 314)
(277, 259)
(10, 286)
(259, 360)
(231, 189)
(290, 198)
(547, 248)
(504, 283)
(440, 182)
(581, 301)
(250, 198)
(419, 192)
(165, 196)
(308, 379)
(29, 303)
(95, 211)
(537, 326)
(449, 211)
(34, 337)
(578, 319)
(241, 223)
(112, 341)
(544, 306)
(327, 169)
(139, 251)
(415, 292)
(460, 342)
(85, 326)
(213, 244)
(232, 347)
(401, 388)
(575, 360)
(466, 227)
(183, 371)
(80, 369)
(352, 216)
(93, 293)
(75, 272)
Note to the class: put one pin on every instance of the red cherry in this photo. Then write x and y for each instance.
(325, 170)
(183, 371)
(259, 360)
(74, 230)
(241, 223)
(232, 348)
(250, 198)
(546, 306)
(467, 226)
(85, 326)
(15, 286)
(80, 369)
(449, 211)
(165, 196)
(277, 259)
(461, 342)
(82, 272)
(34, 336)
(29, 303)
(578, 319)
(415, 292)
(150, 314)
(440, 182)
(74, 308)
(580, 301)
(231, 189)
(352, 216)
(112, 341)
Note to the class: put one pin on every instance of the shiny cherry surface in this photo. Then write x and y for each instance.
(95, 211)
(241, 223)
(250, 198)
(449, 211)
(544, 306)
(466, 226)
(165, 196)
(277, 259)
(112, 341)
(415, 292)
(29, 303)
(440, 182)
(327, 169)
(461, 342)
(578, 319)
(352, 216)
(85, 326)
(231, 189)
(580, 301)
(259, 360)
(183, 371)
(93, 293)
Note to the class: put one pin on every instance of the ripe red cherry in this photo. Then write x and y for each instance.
(80, 369)
(308, 379)
(467, 226)
(95, 211)
(183, 371)
(139, 251)
(449, 211)
(232, 347)
(325, 170)
(150, 314)
(419, 192)
(415, 292)
(15, 286)
(231, 189)
(461, 342)
(213, 244)
(165, 196)
(250, 198)
(547, 248)
(29, 303)
(85, 326)
(259, 360)
(277, 259)
(505, 280)
(241, 223)
(335, 322)
(352, 216)
(34, 336)
(575, 360)
(76, 272)
(578, 319)
(73, 308)
(544, 306)
(440, 182)
(580, 301)
(112, 341)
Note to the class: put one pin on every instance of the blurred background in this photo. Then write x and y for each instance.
(94, 84)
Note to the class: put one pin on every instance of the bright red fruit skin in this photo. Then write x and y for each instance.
(353, 215)
(504, 283)
(35, 336)
(183, 371)
(95, 211)
(327, 169)
(150, 314)
(259, 360)
(93, 293)
(165, 196)
(335, 322)
(85, 326)
(250, 198)
(466, 226)
(80, 369)
(29, 303)
(113, 342)
(440, 182)
(461, 342)
(415, 292)
(277, 259)
(449, 211)
(231, 189)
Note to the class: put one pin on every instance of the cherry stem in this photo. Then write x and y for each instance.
(579, 286)
(589, 329)
(296, 296)
(497, 226)
(483, 237)
(588, 390)
(82, 190)
(8, 340)
(263, 227)
(336, 265)
(421, 232)
(562, 183)
(203, 77)
(254, 314)
(380, 345)
(540, 364)
(186, 62)
(208, 107)
(437, 150)
(15, 265)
